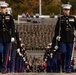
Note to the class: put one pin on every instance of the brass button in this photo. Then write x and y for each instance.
(3, 25)
(3, 16)
(3, 21)
(67, 21)
(4, 29)
(67, 17)
(67, 28)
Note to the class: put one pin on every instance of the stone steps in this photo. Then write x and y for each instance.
(39, 74)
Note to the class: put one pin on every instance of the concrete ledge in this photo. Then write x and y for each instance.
(39, 74)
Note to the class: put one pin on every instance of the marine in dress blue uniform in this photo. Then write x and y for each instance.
(7, 32)
(19, 59)
(50, 59)
(13, 51)
(23, 58)
(56, 54)
(65, 26)
(17, 56)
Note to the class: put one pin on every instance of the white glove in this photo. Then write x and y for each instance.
(9, 58)
(51, 55)
(12, 39)
(54, 50)
(56, 47)
(20, 54)
(58, 38)
(24, 58)
(18, 50)
(45, 59)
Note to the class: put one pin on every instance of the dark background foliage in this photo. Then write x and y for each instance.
(48, 6)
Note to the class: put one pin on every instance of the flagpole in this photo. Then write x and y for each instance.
(40, 9)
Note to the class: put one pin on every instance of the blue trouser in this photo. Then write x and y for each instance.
(12, 61)
(54, 64)
(48, 68)
(72, 69)
(58, 60)
(5, 47)
(66, 49)
(20, 64)
(17, 64)
(23, 65)
(0, 60)
(51, 65)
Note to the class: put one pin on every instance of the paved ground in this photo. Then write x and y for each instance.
(39, 74)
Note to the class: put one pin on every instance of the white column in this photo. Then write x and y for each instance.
(40, 9)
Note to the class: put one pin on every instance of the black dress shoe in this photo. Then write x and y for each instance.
(63, 70)
(68, 71)
(3, 72)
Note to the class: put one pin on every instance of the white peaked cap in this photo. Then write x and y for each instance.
(22, 44)
(66, 6)
(4, 4)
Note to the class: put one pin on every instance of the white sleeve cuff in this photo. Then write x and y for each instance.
(20, 54)
(12, 39)
(18, 50)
